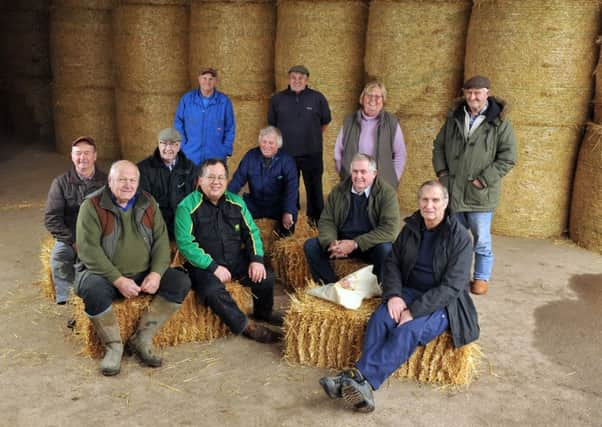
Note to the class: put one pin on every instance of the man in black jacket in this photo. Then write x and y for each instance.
(168, 175)
(425, 292)
(66, 194)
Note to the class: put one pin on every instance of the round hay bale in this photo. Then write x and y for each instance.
(535, 196)
(157, 2)
(236, 38)
(29, 107)
(416, 48)
(418, 132)
(24, 43)
(250, 115)
(86, 4)
(586, 207)
(37, 5)
(89, 111)
(151, 47)
(140, 116)
(328, 37)
(537, 57)
(81, 49)
(598, 89)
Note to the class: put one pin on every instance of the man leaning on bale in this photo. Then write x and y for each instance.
(425, 292)
(123, 247)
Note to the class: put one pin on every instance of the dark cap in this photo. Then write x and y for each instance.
(208, 70)
(301, 69)
(476, 82)
(86, 139)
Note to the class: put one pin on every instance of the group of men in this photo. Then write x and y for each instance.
(113, 240)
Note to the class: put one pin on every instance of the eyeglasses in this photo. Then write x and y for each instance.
(214, 178)
(169, 143)
(375, 97)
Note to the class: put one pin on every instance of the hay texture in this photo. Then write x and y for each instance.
(586, 208)
(540, 61)
(29, 105)
(250, 116)
(89, 111)
(236, 38)
(192, 323)
(81, 47)
(325, 335)
(269, 233)
(140, 117)
(151, 48)
(46, 282)
(87, 4)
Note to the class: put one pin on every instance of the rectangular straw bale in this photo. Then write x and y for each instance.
(325, 335)
(192, 322)
(268, 228)
(46, 282)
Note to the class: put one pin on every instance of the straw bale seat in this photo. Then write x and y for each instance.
(46, 282)
(192, 322)
(325, 335)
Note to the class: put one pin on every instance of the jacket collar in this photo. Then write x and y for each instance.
(496, 109)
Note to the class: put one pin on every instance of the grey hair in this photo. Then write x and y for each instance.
(433, 183)
(271, 130)
(372, 85)
(118, 165)
(368, 158)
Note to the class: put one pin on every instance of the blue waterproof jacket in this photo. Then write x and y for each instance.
(273, 189)
(207, 132)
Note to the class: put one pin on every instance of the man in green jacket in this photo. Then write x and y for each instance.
(361, 219)
(123, 247)
(475, 148)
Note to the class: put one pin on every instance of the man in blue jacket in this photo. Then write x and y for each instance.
(273, 181)
(205, 119)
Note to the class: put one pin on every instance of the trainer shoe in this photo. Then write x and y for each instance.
(332, 385)
(357, 391)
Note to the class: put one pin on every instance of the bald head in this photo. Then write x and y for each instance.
(123, 181)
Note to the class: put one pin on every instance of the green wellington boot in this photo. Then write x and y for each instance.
(107, 329)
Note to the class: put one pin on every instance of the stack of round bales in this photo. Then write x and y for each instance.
(150, 55)
(328, 37)
(25, 75)
(540, 57)
(416, 48)
(237, 39)
(83, 90)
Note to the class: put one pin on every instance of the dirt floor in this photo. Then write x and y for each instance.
(541, 333)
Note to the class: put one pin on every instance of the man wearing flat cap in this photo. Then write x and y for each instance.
(475, 148)
(168, 175)
(302, 115)
(66, 194)
(205, 119)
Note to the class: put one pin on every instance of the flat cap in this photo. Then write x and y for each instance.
(85, 139)
(476, 82)
(169, 134)
(301, 69)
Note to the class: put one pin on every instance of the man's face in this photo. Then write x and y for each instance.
(476, 99)
(372, 102)
(361, 175)
(207, 83)
(213, 182)
(168, 150)
(124, 182)
(83, 156)
(297, 81)
(432, 205)
(269, 145)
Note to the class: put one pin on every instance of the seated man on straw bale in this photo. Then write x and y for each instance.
(124, 252)
(216, 234)
(425, 292)
(168, 175)
(474, 150)
(66, 194)
(273, 182)
(360, 220)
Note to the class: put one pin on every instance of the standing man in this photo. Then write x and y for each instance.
(205, 119)
(475, 148)
(361, 220)
(67, 192)
(302, 115)
(216, 234)
(168, 175)
(124, 252)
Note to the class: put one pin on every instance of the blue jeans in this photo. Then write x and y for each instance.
(388, 346)
(62, 258)
(479, 224)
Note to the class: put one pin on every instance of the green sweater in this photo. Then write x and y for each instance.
(129, 248)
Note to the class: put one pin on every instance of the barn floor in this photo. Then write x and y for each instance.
(541, 332)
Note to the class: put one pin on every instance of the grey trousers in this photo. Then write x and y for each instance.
(62, 259)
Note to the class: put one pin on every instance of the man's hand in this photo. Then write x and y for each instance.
(341, 248)
(406, 316)
(150, 284)
(477, 183)
(287, 220)
(74, 246)
(257, 272)
(395, 307)
(223, 274)
(127, 287)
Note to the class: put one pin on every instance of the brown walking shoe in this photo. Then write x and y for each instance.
(479, 287)
(260, 333)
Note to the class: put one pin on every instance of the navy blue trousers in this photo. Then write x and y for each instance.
(387, 346)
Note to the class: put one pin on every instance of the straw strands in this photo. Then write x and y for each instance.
(46, 282)
(86, 4)
(191, 323)
(586, 208)
(322, 334)
(250, 115)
